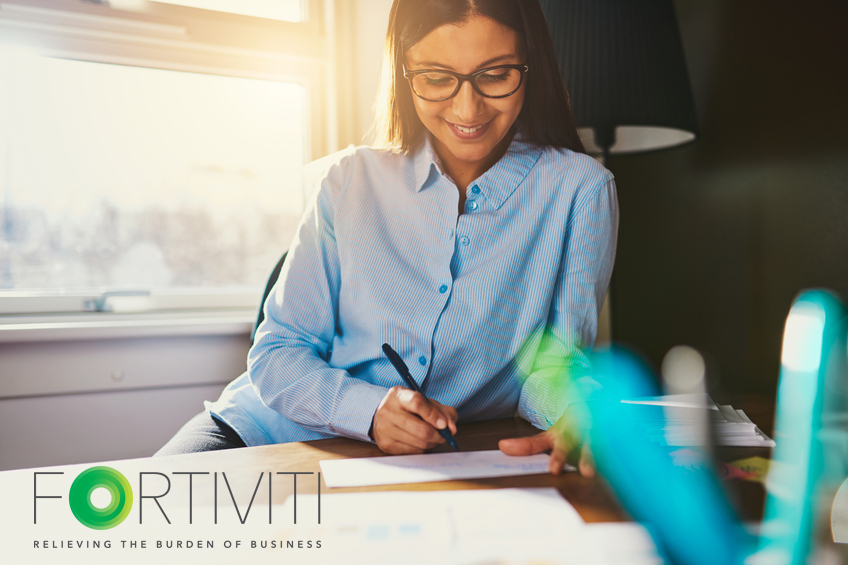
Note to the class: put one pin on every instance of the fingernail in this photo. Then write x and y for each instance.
(440, 423)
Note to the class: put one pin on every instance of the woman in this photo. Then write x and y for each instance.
(479, 244)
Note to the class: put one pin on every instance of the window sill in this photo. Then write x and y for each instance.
(107, 325)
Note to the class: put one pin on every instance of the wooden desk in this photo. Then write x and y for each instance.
(590, 497)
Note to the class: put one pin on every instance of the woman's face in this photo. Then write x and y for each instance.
(468, 127)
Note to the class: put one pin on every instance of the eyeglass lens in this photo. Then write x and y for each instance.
(439, 86)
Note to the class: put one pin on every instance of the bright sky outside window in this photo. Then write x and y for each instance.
(117, 176)
(286, 10)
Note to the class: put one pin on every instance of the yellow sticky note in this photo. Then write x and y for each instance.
(756, 468)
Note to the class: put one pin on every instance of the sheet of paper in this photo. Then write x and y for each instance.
(700, 400)
(622, 543)
(459, 527)
(427, 467)
(668, 421)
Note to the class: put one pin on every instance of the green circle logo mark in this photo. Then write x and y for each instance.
(117, 509)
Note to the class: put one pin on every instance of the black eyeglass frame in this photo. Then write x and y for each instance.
(472, 78)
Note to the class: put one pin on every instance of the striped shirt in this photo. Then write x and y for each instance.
(488, 308)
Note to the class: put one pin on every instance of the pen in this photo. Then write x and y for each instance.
(401, 368)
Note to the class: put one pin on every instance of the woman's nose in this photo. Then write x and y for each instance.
(467, 103)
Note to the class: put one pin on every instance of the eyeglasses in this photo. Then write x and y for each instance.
(494, 82)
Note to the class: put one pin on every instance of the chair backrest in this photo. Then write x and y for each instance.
(272, 280)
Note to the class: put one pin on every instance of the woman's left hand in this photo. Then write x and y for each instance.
(564, 440)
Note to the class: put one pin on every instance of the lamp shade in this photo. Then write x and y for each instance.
(623, 64)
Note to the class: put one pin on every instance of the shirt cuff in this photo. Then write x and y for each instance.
(356, 409)
(545, 397)
(542, 397)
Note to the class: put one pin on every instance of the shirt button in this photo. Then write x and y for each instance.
(475, 189)
(422, 360)
(472, 205)
(464, 240)
(442, 289)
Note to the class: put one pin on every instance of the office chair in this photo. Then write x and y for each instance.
(272, 279)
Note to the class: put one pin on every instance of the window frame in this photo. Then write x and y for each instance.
(179, 38)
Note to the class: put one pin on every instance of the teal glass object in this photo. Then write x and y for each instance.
(834, 430)
(683, 506)
(810, 341)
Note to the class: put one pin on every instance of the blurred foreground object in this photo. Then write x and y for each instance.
(809, 416)
(679, 499)
(684, 372)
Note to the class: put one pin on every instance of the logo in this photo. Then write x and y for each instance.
(80, 498)
(101, 498)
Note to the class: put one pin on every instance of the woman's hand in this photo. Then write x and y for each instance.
(406, 422)
(564, 440)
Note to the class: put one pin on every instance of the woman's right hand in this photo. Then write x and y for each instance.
(406, 422)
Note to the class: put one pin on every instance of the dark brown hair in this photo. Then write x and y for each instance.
(544, 120)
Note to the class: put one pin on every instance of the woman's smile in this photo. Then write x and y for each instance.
(470, 132)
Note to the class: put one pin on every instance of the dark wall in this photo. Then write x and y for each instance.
(717, 237)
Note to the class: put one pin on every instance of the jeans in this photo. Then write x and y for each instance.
(204, 432)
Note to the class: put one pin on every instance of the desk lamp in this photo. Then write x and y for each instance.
(624, 67)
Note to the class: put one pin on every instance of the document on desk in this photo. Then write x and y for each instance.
(428, 467)
(670, 419)
(621, 543)
(456, 527)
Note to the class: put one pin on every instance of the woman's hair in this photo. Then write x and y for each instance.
(544, 120)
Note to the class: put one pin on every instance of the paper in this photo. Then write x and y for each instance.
(669, 421)
(697, 400)
(427, 467)
(458, 527)
(622, 543)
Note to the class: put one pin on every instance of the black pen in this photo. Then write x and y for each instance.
(401, 368)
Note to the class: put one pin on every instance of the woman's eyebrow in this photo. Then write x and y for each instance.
(482, 65)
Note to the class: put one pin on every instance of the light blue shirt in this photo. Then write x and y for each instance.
(484, 307)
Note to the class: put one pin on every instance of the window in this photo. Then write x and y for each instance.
(130, 177)
(146, 151)
(285, 10)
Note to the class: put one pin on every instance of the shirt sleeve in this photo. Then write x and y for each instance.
(287, 364)
(554, 361)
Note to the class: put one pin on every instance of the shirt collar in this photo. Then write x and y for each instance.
(505, 176)
(498, 183)
(426, 163)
